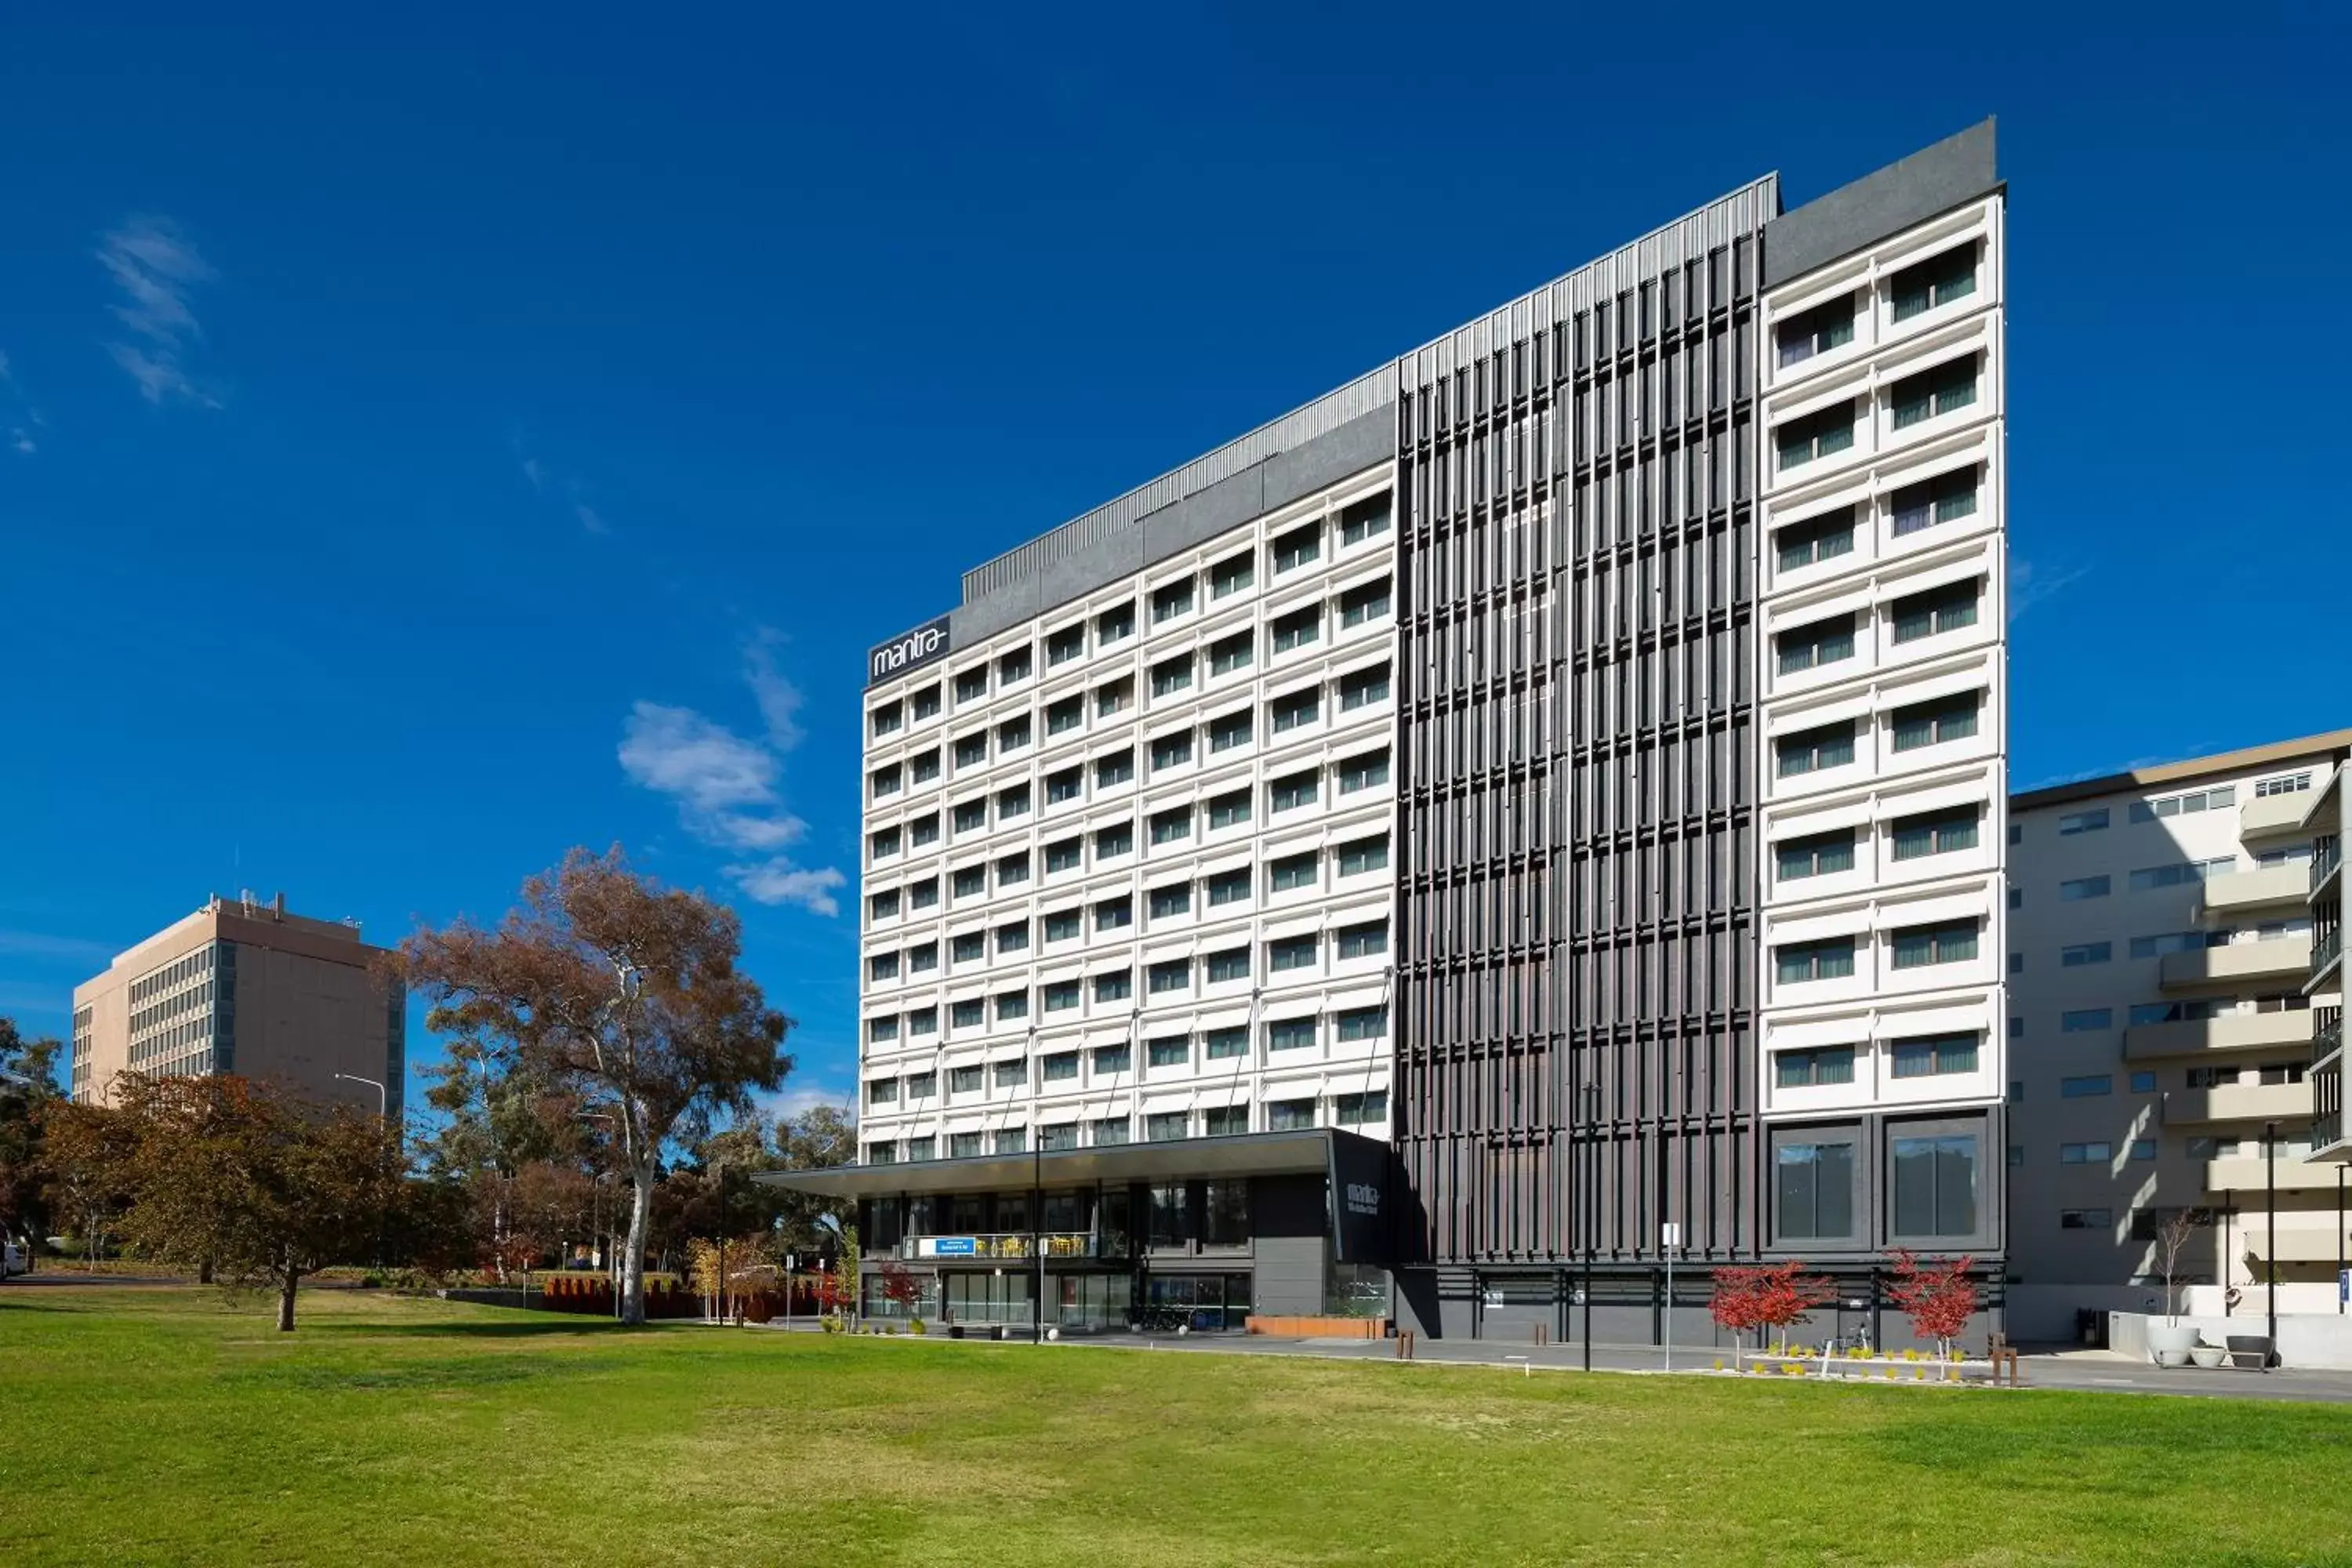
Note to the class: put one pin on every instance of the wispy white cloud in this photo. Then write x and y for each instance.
(2028, 586)
(535, 474)
(156, 268)
(727, 787)
(779, 699)
(20, 433)
(590, 519)
(567, 490)
(63, 948)
(18, 441)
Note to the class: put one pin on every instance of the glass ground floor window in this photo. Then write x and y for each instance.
(989, 1296)
(1092, 1303)
(1196, 1302)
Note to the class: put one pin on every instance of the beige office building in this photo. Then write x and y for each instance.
(244, 987)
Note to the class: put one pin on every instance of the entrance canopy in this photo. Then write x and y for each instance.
(1309, 1150)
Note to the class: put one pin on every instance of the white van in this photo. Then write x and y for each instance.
(14, 1258)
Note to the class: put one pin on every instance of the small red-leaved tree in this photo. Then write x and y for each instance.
(1774, 1296)
(1937, 1297)
(900, 1288)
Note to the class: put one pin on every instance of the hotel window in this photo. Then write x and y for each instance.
(1363, 687)
(1938, 281)
(1297, 547)
(971, 815)
(1934, 1055)
(2080, 955)
(1171, 676)
(883, 906)
(1356, 1109)
(1115, 914)
(970, 947)
(972, 881)
(888, 718)
(1110, 842)
(1171, 601)
(1175, 899)
(2143, 1149)
(2085, 1219)
(972, 685)
(1114, 624)
(1012, 870)
(2211, 799)
(1115, 985)
(1227, 655)
(1014, 938)
(964, 1080)
(1223, 1045)
(922, 1085)
(924, 766)
(1171, 974)
(970, 751)
(1012, 666)
(1113, 1130)
(1059, 1136)
(1934, 833)
(2086, 1086)
(1813, 750)
(1297, 628)
(882, 967)
(1066, 715)
(1935, 1185)
(1290, 1115)
(1364, 518)
(923, 958)
(1168, 1051)
(1063, 646)
(1172, 750)
(1936, 611)
(1916, 947)
(1801, 961)
(882, 1153)
(966, 1016)
(1946, 389)
(1231, 730)
(1291, 954)
(1012, 734)
(1364, 940)
(1815, 854)
(1061, 925)
(2081, 887)
(1363, 1023)
(1289, 793)
(1935, 723)
(1363, 855)
(2143, 1083)
(1290, 1034)
(2177, 941)
(1817, 435)
(878, 1030)
(1114, 697)
(1364, 772)
(1116, 769)
(1011, 803)
(886, 780)
(1175, 823)
(2091, 821)
(925, 704)
(1228, 810)
(1060, 997)
(1812, 1189)
(1292, 872)
(1229, 888)
(882, 1091)
(884, 844)
(963, 1145)
(1367, 603)
(2094, 1153)
(2182, 872)
(1291, 712)
(1810, 1069)
(1815, 331)
(1232, 574)
(1947, 498)
(1816, 539)
(2293, 784)
(1013, 1141)
(1062, 855)
(1013, 1074)
(1067, 784)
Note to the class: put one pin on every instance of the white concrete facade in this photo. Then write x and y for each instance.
(1166, 910)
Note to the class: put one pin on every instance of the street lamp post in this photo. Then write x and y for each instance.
(383, 1099)
(2270, 1244)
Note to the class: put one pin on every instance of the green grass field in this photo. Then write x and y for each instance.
(164, 1427)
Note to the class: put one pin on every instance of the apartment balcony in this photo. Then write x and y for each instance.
(2326, 860)
(2270, 815)
(1014, 1244)
(2328, 1039)
(2325, 952)
(2209, 1037)
(2300, 1244)
(2281, 958)
(2238, 1102)
(2329, 1146)
(2256, 889)
(2292, 1174)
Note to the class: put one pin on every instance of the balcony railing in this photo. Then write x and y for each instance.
(2327, 1129)
(2326, 950)
(2324, 862)
(2327, 1039)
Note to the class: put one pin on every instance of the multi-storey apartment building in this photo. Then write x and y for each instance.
(1372, 851)
(2168, 1011)
(244, 987)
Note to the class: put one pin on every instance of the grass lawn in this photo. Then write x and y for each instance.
(163, 1426)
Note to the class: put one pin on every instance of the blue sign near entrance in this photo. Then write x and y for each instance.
(953, 1247)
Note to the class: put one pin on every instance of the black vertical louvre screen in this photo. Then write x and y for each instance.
(1575, 1011)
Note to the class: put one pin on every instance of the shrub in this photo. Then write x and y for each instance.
(915, 1325)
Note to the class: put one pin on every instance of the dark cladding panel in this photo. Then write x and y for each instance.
(1577, 885)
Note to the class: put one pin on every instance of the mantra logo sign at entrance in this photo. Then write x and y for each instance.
(912, 651)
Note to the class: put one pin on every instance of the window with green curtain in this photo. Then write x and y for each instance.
(1916, 947)
(1935, 833)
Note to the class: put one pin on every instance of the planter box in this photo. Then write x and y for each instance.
(1319, 1328)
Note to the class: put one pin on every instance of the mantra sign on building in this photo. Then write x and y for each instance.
(912, 651)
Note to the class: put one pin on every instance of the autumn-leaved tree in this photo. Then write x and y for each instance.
(86, 1164)
(628, 993)
(1775, 1295)
(265, 1187)
(1937, 1295)
(27, 1087)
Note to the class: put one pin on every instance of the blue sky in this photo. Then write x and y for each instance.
(428, 445)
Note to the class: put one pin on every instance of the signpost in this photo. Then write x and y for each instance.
(1670, 1236)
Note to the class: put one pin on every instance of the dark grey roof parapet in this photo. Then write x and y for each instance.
(1906, 192)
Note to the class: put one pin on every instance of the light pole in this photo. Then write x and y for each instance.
(2270, 1244)
(1589, 1201)
(383, 1099)
(2340, 1291)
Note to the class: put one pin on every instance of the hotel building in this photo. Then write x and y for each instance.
(1533, 810)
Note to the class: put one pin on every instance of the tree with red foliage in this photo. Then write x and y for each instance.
(898, 1286)
(1935, 1296)
(1774, 1296)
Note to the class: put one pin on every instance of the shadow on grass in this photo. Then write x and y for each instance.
(531, 1329)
